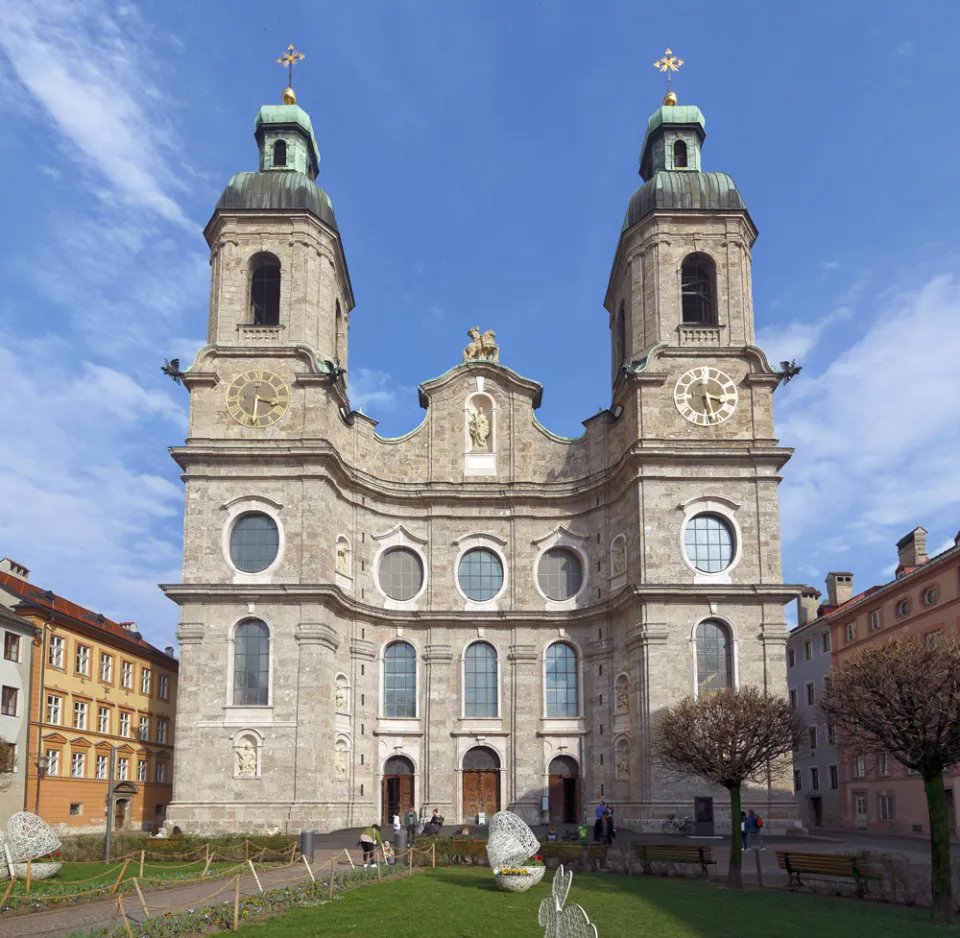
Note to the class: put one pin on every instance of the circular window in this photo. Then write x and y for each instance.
(401, 573)
(708, 541)
(480, 574)
(903, 607)
(560, 574)
(930, 596)
(254, 542)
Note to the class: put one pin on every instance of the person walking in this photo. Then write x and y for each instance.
(607, 832)
(369, 840)
(743, 831)
(410, 822)
(753, 824)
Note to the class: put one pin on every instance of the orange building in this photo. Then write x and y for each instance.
(97, 689)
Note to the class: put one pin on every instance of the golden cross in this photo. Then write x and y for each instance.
(669, 63)
(289, 58)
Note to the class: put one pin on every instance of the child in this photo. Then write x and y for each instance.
(388, 854)
(551, 834)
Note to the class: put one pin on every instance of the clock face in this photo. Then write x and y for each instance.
(257, 398)
(705, 396)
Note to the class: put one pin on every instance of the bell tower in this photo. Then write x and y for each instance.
(278, 271)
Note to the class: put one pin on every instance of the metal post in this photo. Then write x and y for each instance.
(107, 839)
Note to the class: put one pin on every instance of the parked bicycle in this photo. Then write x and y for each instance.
(674, 824)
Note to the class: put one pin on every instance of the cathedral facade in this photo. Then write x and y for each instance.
(479, 614)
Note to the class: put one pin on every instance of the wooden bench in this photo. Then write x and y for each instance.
(674, 853)
(826, 866)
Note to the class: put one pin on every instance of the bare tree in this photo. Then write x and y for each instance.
(903, 698)
(7, 763)
(728, 738)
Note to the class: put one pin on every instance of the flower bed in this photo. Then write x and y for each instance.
(518, 878)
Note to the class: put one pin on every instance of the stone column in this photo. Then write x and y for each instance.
(441, 710)
(595, 685)
(646, 652)
(525, 781)
(191, 684)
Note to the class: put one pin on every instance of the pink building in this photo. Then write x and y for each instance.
(877, 793)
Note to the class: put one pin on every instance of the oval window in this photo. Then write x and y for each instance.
(401, 573)
(708, 541)
(254, 542)
(560, 574)
(480, 574)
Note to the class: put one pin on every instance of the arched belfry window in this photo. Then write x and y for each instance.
(679, 155)
(251, 664)
(280, 153)
(698, 288)
(714, 657)
(619, 337)
(265, 291)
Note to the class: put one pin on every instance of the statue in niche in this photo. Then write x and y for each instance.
(623, 764)
(340, 763)
(623, 698)
(246, 759)
(479, 428)
(343, 565)
(619, 557)
(483, 346)
(340, 698)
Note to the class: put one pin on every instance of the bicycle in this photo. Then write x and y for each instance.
(678, 825)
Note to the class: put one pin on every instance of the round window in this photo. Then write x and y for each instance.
(560, 574)
(480, 574)
(708, 541)
(254, 542)
(401, 573)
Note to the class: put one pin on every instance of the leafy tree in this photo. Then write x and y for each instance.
(728, 738)
(903, 698)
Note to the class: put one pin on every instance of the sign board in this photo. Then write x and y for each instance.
(545, 803)
(481, 818)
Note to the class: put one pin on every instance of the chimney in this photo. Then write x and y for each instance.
(839, 588)
(14, 569)
(807, 605)
(128, 626)
(912, 549)
(168, 651)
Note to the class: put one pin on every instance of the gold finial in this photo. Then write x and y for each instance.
(289, 58)
(669, 63)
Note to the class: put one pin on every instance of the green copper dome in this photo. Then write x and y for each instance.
(277, 190)
(673, 191)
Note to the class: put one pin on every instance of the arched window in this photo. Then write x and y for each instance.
(400, 680)
(251, 664)
(339, 337)
(697, 277)
(714, 657)
(563, 699)
(480, 681)
(265, 291)
(619, 337)
(679, 155)
(280, 153)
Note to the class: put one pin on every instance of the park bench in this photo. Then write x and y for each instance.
(674, 853)
(826, 866)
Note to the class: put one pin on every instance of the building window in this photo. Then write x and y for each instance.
(480, 681)
(619, 337)
(8, 701)
(280, 153)
(141, 770)
(265, 292)
(77, 765)
(697, 290)
(791, 657)
(102, 766)
(54, 705)
(811, 693)
(793, 698)
(126, 675)
(807, 650)
(251, 664)
(106, 668)
(859, 767)
(83, 660)
(714, 665)
(679, 155)
(163, 687)
(161, 731)
(930, 596)
(160, 773)
(55, 652)
(401, 573)
(103, 719)
(814, 779)
(400, 681)
(875, 621)
(480, 574)
(124, 724)
(562, 687)
(883, 764)
(80, 714)
(834, 777)
(885, 804)
(254, 542)
(903, 608)
(708, 541)
(860, 805)
(797, 780)
(560, 574)
(76, 809)
(123, 769)
(53, 762)
(825, 642)
(831, 735)
(145, 681)
(812, 732)
(851, 631)
(933, 639)
(11, 646)
(144, 731)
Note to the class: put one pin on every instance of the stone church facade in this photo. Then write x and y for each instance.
(479, 614)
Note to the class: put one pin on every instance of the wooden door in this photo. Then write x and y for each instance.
(556, 797)
(406, 794)
(119, 814)
(571, 800)
(481, 792)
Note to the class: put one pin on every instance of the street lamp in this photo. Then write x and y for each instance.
(43, 763)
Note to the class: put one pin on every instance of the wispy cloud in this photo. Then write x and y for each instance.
(371, 390)
(906, 48)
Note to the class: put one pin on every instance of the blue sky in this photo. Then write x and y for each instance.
(480, 156)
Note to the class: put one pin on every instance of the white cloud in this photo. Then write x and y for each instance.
(370, 389)
(905, 48)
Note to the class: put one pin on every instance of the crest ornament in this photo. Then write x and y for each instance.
(483, 346)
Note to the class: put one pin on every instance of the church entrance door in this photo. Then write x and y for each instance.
(396, 794)
(481, 783)
(564, 790)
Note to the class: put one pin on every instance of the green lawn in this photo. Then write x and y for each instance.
(456, 902)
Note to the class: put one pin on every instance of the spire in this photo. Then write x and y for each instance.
(289, 59)
(675, 133)
(669, 63)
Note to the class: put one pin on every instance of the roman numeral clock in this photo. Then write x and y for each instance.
(705, 396)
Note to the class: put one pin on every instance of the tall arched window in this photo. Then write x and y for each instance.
(339, 335)
(480, 681)
(251, 664)
(619, 337)
(265, 291)
(679, 155)
(697, 284)
(563, 699)
(714, 657)
(400, 680)
(280, 153)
